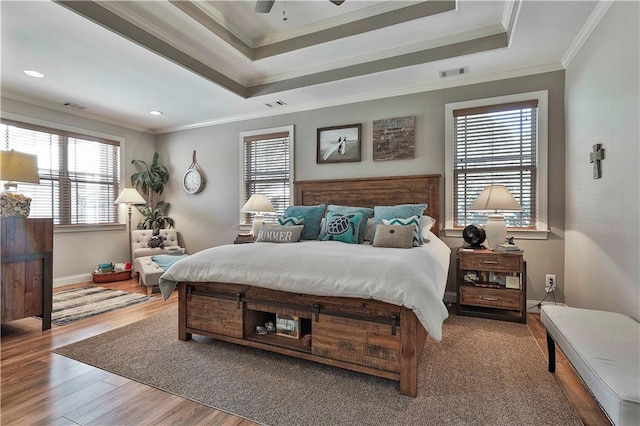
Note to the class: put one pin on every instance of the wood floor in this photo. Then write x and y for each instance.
(40, 387)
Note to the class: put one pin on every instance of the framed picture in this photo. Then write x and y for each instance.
(339, 144)
(498, 278)
(288, 326)
(394, 139)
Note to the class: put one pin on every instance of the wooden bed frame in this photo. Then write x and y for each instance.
(363, 335)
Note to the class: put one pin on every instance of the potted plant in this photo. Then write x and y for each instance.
(151, 180)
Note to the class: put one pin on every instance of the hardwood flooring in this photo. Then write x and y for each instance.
(40, 387)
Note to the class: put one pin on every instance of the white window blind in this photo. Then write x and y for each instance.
(268, 168)
(79, 175)
(495, 145)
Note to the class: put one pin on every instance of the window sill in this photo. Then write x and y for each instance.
(518, 235)
(67, 229)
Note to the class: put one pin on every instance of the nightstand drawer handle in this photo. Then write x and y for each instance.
(490, 299)
(490, 262)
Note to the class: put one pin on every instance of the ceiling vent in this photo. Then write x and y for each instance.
(74, 105)
(454, 71)
(276, 104)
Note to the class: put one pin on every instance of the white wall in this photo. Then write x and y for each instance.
(76, 254)
(210, 218)
(602, 267)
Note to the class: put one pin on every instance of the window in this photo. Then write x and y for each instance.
(267, 167)
(79, 174)
(497, 141)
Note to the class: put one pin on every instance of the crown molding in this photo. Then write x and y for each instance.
(596, 16)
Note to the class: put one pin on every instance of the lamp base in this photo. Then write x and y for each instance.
(256, 226)
(495, 230)
(13, 204)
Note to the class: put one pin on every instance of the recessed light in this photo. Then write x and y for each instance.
(154, 112)
(32, 73)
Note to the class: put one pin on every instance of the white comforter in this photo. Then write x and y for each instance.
(414, 278)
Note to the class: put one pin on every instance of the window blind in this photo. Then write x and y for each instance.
(267, 169)
(79, 175)
(496, 145)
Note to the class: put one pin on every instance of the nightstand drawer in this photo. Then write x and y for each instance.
(491, 262)
(490, 297)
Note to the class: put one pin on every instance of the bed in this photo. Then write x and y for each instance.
(375, 321)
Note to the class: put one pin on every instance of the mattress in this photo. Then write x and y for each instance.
(414, 278)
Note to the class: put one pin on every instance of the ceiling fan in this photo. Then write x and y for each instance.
(264, 6)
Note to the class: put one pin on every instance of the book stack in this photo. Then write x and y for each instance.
(507, 247)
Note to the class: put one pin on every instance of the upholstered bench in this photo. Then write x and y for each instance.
(148, 271)
(604, 349)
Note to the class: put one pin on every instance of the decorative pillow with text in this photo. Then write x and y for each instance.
(279, 233)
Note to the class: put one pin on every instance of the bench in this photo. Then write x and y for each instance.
(148, 271)
(604, 349)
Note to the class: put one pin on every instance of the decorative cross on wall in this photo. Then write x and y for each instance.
(596, 156)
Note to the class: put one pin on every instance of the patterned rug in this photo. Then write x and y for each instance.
(79, 303)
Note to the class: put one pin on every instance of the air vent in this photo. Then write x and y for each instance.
(276, 104)
(74, 105)
(454, 71)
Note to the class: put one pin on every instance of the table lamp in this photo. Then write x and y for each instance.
(495, 198)
(129, 196)
(17, 167)
(258, 204)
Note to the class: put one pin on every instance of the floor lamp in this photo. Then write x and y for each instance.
(130, 196)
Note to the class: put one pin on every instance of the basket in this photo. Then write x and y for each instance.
(108, 277)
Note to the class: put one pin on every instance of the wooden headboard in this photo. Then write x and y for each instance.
(370, 192)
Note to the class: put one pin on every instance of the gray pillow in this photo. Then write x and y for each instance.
(395, 236)
(280, 233)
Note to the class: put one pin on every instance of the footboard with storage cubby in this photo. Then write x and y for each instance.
(363, 335)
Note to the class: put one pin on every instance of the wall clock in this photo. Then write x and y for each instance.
(193, 180)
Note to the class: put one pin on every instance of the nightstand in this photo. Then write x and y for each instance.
(244, 239)
(492, 284)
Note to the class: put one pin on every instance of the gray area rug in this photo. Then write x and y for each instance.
(78, 303)
(484, 372)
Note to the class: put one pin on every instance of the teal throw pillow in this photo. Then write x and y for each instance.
(413, 221)
(401, 210)
(290, 221)
(347, 210)
(312, 217)
(343, 228)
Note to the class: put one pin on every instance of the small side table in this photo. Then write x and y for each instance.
(244, 239)
(492, 285)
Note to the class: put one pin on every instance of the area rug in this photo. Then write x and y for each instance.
(483, 372)
(79, 303)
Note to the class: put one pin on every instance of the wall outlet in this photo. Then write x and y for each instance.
(550, 284)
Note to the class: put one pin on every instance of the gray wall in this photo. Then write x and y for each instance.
(211, 217)
(77, 253)
(602, 269)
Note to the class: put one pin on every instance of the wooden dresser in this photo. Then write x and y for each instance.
(26, 254)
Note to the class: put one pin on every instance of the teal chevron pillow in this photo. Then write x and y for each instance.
(347, 210)
(401, 210)
(343, 228)
(413, 221)
(312, 217)
(290, 221)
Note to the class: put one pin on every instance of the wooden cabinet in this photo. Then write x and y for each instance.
(26, 253)
(492, 285)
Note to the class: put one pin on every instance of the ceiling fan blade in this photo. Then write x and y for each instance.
(337, 2)
(264, 6)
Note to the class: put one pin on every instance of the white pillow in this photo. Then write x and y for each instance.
(426, 223)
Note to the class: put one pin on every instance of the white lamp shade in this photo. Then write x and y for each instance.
(494, 198)
(257, 203)
(130, 196)
(19, 167)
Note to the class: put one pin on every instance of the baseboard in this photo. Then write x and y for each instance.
(449, 297)
(532, 305)
(73, 279)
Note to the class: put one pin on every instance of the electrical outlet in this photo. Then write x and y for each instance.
(550, 283)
